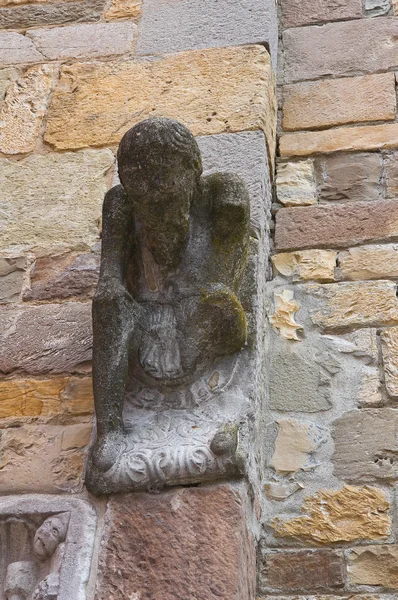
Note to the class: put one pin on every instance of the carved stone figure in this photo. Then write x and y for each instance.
(168, 322)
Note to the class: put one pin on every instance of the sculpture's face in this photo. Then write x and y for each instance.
(49, 535)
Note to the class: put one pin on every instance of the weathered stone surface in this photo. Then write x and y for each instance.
(355, 304)
(328, 597)
(369, 393)
(349, 47)
(95, 103)
(389, 339)
(391, 174)
(374, 565)
(7, 77)
(73, 186)
(222, 23)
(336, 226)
(283, 318)
(303, 570)
(362, 343)
(295, 183)
(350, 139)
(50, 338)
(395, 7)
(17, 49)
(123, 9)
(346, 515)
(44, 458)
(46, 397)
(307, 265)
(50, 13)
(294, 445)
(22, 112)
(306, 12)
(77, 41)
(62, 276)
(366, 445)
(194, 539)
(349, 177)
(281, 491)
(377, 8)
(369, 262)
(12, 271)
(316, 104)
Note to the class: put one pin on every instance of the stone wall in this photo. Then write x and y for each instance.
(331, 524)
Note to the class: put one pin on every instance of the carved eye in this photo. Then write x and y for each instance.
(55, 531)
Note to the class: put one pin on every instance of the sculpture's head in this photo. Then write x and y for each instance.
(50, 534)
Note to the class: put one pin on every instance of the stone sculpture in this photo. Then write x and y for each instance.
(167, 319)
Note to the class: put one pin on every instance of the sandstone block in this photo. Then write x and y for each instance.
(328, 597)
(365, 304)
(12, 271)
(336, 226)
(22, 112)
(307, 265)
(283, 318)
(95, 104)
(77, 41)
(369, 262)
(346, 515)
(366, 445)
(7, 77)
(50, 338)
(395, 7)
(294, 446)
(369, 393)
(377, 8)
(24, 16)
(374, 565)
(349, 177)
(391, 174)
(316, 104)
(306, 12)
(303, 570)
(295, 183)
(53, 199)
(190, 542)
(349, 47)
(123, 9)
(389, 339)
(17, 49)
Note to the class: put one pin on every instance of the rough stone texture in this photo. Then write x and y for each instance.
(7, 77)
(50, 13)
(391, 174)
(46, 397)
(395, 7)
(95, 104)
(123, 9)
(341, 48)
(347, 139)
(77, 41)
(364, 304)
(303, 570)
(346, 515)
(362, 343)
(349, 177)
(283, 318)
(316, 265)
(306, 12)
(328, 597)
(370, 391)
(374, 565)
(389, 339)
(62, 276)
(369, 262)
(377, 8)
(50, 338)
(294, 445)
(222, 23)
(22, 112)
(330, 102)
(336, 226)
(12, 271)
(366, 445)
(194, 539)
(52, 199)
(295, 183)
(43, 458)
(17, 49)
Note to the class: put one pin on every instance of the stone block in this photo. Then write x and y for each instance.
(350, 47)
(303, 570)
(187, 543)
(12, 273)
(370, 390)
(295, 183)
(342, 177)
(345, 139)
(17, 49)
(24, 16)
(95, 103)
(123, 9)
(336, 226)
(221, 23)
(366, 445)
(49, 338)
(395, 7)
(389, 341)
(307, 265)
(374, 565)
(22, 112)
(347, 515)
(328, 102)
(53, 198)
(391, 174)
(7, 77)
(369, 262)
(328, 597)
(283, 318)
(294, 446)
(88, 40)
(377, 8)
(345, 305)
(307, 12)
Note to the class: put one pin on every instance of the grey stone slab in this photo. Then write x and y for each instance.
(33, 15)
(17, 49)
(377, 8)
(174, 26)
